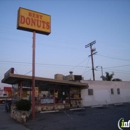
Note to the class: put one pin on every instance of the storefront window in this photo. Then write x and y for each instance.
(46, 95)
(75, 93)
(62, 94)
(15, 93)
(58, 94)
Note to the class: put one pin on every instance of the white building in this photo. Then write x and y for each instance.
(105, 92)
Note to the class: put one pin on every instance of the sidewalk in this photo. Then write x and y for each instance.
(7, 123)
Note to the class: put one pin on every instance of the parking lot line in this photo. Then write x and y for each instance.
(68, 115)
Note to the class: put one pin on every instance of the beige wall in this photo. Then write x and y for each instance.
(102, 93)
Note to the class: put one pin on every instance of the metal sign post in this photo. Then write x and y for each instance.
(33, 75)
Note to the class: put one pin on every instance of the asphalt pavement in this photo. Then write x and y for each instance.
(87, 119)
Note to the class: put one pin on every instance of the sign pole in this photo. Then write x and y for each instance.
(33, 75)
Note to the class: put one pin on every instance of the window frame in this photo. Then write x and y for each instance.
(118, 91)
(90, 92)
(112, 91)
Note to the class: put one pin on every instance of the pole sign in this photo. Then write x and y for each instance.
(29, 20)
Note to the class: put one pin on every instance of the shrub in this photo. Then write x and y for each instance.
(24, 105)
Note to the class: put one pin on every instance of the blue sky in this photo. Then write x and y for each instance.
(74, 24)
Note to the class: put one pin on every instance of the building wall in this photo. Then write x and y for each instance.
(102, 93)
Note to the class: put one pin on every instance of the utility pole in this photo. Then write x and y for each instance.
(92, 51)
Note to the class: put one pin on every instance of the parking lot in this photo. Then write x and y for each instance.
(87, 119)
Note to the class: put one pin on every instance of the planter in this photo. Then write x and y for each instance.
(49, 107)
(19, 115)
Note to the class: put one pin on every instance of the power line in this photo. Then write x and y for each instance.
(54, 40)
(117, 66)
(28, 72)
(77, 65)
(15, 71)
(46, 44)
(44, 64)
(12, 29)
(117, 71)
(113, 57)
(87, 73)
(86, 66)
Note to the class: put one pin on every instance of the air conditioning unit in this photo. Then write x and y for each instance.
(69, 77)
(59, 76)
(78, 77)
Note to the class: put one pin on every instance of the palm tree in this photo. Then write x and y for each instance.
(109, 77)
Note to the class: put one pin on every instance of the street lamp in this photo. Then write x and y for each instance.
(101, 69)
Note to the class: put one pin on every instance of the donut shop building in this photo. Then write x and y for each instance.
(50, 94)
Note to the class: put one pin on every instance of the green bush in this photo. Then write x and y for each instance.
(24, 105)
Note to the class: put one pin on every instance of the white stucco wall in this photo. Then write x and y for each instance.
(102, 93)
